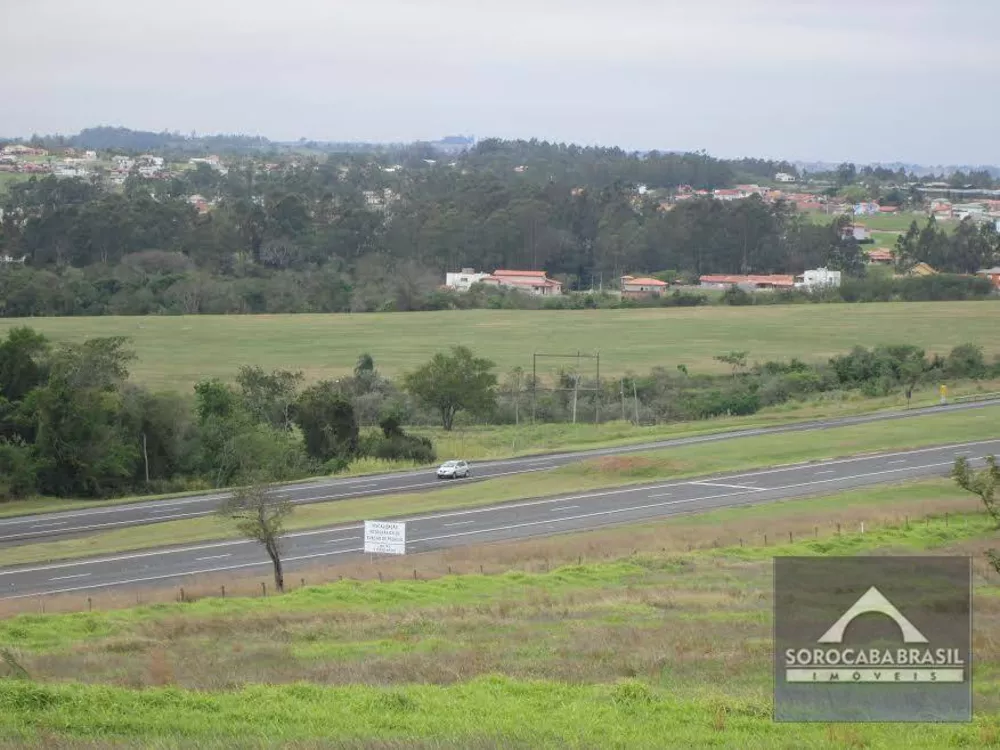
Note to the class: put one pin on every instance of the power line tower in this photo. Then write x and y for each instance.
(576, 378)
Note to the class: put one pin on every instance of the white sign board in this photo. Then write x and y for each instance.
(385, 537)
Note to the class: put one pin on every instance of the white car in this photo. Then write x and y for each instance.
(453, 470)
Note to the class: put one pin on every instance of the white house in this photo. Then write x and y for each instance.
(531, 282)
(817, 278)
(784, 177)
(463, 279)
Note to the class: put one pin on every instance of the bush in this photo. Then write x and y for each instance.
(18, 470)
(966, 361)
(736, 296)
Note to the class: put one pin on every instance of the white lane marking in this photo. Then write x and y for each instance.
(660, 494)
(493, 509)
(613, 511)
(122, 508)
(66, 578)
(50, 523)
(467, 533)
(118, 523)
(826, 471)
(458, 523)
(146, 579)
(145, 505)
(563, 507)
(342, 539)
(898, 461)
(212, 557)
(730, 486)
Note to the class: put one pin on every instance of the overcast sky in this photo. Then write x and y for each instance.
(906, 80)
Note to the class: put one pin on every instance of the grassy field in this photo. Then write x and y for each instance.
(899, 222)
(175, 352)
(9, 178)
(605, 472)
(655, 636)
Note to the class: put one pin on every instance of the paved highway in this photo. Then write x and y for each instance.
(507, 521)
(26, 529)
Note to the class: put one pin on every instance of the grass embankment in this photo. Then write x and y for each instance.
(508, 441)
(593, 474)
(660, 648)
(175, 352)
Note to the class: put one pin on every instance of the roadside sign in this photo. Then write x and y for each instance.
(944, 394)
(385, 537)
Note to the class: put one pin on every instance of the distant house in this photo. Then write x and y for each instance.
(818, 278)
(199, 203)
(784, 177)
(858, 232)
(921, 269)
(463, 279)
(866, 208)
(881, 256)
(888, 209)
(756, 282)
(6, 259)
(962, 210)
(638, 287)
(19, 149)
(993, 274)
(533, 282)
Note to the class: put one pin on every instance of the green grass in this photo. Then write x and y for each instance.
(651, 650)
(9, 178)
(491, 711)
(899, 222)
(606, 472)
(175, 352)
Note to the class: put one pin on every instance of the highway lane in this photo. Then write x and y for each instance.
(501, 522)
(63, 524)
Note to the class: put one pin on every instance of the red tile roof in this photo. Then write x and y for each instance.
(644, 281)
(774, 280)
(880, 254)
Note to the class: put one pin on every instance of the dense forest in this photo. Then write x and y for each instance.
(73, 424)
(360, 232)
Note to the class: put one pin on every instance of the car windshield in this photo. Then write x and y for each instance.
(449, 464)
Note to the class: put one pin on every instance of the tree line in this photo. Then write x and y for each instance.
(72, 424)
(348, 232)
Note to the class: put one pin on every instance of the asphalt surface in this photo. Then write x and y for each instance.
(502, 522)
(70, 523)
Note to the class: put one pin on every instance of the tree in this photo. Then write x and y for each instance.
(326, 418)
(736, 360)
(454, 382)
(269, 398)
(81, 442)
(22, 365)
(982, 483)
(260, 515)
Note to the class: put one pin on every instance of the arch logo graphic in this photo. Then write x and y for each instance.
(873, 639)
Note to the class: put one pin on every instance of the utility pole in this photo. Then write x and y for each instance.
(145, 456)
(635, 395)
(621, 390)
(576, 387)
